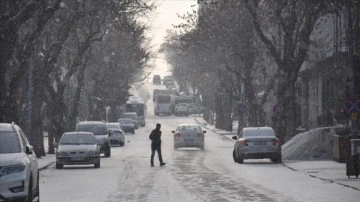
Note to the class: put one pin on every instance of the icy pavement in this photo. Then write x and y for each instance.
(325, 170)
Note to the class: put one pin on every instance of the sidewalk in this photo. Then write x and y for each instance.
(329, 171)
(45, 161)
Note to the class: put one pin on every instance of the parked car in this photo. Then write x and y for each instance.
(77, 148)
(133, 116)
(189, 135)
(157, 79)
(98, 128)
(181, 108)
(19, 173)
(127, 125)
(116, 134)
(117, 137)
(257, 143)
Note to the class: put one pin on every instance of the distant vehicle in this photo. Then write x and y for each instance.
(77, 148)
(163, 104)
(192, 109)
(19, 173)
(181, 108)
(127, 125)
(157, 79)
(167, 78)
(257, 143)
(133, 116)
(163, 92)
(98, 128)
(116, 134)
(183, 99)
(136, 106)
(189, 135)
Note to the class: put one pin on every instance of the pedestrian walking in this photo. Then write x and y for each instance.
(155, 137)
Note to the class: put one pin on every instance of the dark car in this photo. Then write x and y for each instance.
(127, 125)
(157, 79)
(257, 143)
(98, 128)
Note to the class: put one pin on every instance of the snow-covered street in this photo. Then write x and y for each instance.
(189, 175)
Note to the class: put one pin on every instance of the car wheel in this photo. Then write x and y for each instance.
(240, 160)
(133, 132)
(108, 151)
(202, 147)
(37, 194)
(97, 165)
(234, 156)
(30, 191)
(59, 166)
(122, 143)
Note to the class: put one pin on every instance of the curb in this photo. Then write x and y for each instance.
(45, 166)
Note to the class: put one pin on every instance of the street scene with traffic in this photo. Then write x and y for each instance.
(179, 100)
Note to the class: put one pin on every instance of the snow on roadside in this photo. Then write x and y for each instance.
(315, 144)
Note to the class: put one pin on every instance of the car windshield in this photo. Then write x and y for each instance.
(189, 128)
(9, 142)
(259, 132)
(77, 139)
(125, 121)
(115, 133)
(94, 128)
(113, 126)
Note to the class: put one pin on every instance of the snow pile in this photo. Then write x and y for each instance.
(315, 144)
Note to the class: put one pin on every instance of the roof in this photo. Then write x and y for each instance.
(189, 124)
(90, 122)
(7, 126)
(258, 128)
(78, 133)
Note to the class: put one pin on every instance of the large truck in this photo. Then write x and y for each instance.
(163, 92)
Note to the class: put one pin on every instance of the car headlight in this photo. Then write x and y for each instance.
(6, 170)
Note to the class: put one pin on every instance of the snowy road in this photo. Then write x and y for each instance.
(189, 175)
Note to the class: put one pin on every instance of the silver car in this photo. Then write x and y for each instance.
(77, 148)
(116, 134)
(189, 135)
(19, 173)
(127, 125)
(257, 143)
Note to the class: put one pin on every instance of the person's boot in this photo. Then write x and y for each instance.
(162, 164)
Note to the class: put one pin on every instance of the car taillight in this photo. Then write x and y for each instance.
(243, 142)
(177, 134)
(276, 141)
(200, 135)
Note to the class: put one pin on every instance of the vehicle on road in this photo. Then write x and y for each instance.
(19, 173)
(181, 108)
(127, 125)
(162, 92)
(163, 104)
(98, 128)
(133, 116)
(189, 135)
(257, 143)
(157, 79)
(116, 134)
(137, 106)
(117, 137)
(77, 148)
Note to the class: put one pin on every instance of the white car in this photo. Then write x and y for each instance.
(19, 173)
(181, 108)
(116, 134)
(77, 148)
(189, 135)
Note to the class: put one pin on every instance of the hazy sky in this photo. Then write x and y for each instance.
(163, 18)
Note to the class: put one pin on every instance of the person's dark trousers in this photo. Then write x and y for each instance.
(155, 147)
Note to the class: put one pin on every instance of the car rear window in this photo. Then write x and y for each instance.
(77, 139)
(9, 142)
(259, 132)
(189, 128)
(97, 129)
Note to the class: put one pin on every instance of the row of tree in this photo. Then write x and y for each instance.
(62, 61)
(231, 50)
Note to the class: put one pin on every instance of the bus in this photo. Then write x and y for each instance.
(163, 104)
(162, 91)
(138, 106)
